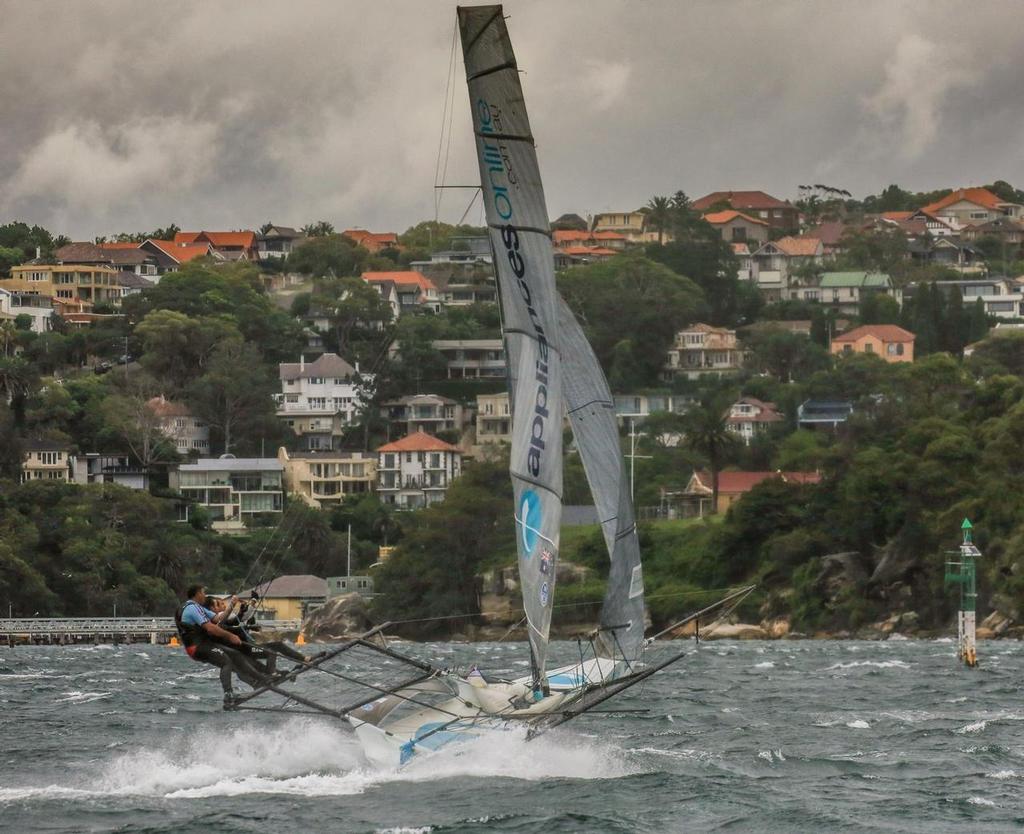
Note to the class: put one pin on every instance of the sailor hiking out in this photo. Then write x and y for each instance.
(206, 641)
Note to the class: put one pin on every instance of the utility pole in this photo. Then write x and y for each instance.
(962, 571)
(125, 358)
(349, 550)
(633, 456)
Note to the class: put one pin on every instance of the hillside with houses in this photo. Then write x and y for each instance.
(812, 393)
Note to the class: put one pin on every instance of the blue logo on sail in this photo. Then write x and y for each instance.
(530, 516)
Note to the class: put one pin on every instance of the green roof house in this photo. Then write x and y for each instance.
(842, 291)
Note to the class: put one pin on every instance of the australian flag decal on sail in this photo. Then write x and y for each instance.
(545, 561)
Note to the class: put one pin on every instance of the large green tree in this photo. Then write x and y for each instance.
(630, 308)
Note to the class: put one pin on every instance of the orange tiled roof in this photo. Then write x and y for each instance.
(588, 250)
(184, 252)
(567, 235)
(896, 215)
(885, 332)
(378, 238)
(740, 249)
(419, 441)
(406, 277)
(247, 240)
(981, 196)
(112, 246)
(798, 246)
(741, 482)
(740, 199)
(716, 218)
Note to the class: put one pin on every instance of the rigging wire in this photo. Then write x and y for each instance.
(443, 146)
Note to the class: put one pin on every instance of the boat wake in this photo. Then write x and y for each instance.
(307, 758)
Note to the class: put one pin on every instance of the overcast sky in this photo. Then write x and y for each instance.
(125, 116)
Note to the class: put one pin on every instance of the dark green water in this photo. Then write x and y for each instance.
(784, 736)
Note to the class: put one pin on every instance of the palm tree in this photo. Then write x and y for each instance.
(659, 213)
(707, 433)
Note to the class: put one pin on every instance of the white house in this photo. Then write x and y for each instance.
(416, 471)
(703, 349)
(191, 435)
(231, 488)
(749, 417)
(319, 399)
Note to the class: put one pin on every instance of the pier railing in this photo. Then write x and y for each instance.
(55, 629)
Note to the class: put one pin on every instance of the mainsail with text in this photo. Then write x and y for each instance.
(517, 222)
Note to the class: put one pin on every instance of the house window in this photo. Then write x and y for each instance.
(739, 234)
(847, 348)
(763, 214)
(979, 215)
(316, 380)
(869, 348)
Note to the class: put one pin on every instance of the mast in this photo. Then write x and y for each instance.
(963, 572)
(518, 228)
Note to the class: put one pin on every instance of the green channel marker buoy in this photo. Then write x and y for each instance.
(962, 571)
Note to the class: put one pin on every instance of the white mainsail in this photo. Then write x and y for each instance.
(517, 220)
(588, 401)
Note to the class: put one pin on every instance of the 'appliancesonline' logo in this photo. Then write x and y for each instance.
(499, 176)
(530, 518)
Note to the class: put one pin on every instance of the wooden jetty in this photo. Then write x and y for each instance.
(69, 630)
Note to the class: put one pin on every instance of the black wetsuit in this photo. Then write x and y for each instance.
(202, 647)
(258, 652)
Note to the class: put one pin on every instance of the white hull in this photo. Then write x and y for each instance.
(478, 708)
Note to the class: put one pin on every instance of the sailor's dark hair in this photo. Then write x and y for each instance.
(193, 590)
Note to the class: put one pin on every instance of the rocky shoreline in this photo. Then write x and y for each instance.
(346, 617)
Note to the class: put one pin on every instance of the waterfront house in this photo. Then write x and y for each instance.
(750, 417)
(373, 242)
(415, 290)
(326, 479)
(1002, 298)
(171, 256)
(424, 412)
(277, 242)
(416, 471)
(780, 214)
(231, 246)
(891, 343)
(702, 349)
(45, 460)
(814, 414)
(972, 207)
(843, 291)
(291, 597)
(473, 358)
(493, 419)
(732, 486)
(320, 399)
(737, 227)
(774, 263)
(191, 436)
(631, 225)
(97, 468)
(231, 489)
(67, 282)
(38, 308)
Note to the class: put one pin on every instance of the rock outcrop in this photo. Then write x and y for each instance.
(339, 618)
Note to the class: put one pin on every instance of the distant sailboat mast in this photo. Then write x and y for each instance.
(517, 221)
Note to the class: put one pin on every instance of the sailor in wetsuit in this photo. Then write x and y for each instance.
(207, 642)
(230, 614)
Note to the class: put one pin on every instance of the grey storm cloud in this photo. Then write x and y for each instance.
(124, 116)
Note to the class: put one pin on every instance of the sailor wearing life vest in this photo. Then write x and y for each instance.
(205, 641)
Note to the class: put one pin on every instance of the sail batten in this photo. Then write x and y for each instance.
(517, 223)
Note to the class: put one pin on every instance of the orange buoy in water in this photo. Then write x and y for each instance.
(300, 640)
(174, 642)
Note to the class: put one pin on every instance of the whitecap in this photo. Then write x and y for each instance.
(858, 724)
(1002, 774)
(877, 664)
(976, 727)
(980, 800)
(82, 697)
(765, 665)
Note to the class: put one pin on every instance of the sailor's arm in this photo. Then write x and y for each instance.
(215, 630)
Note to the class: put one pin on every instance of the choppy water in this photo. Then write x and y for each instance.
(784, 736)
